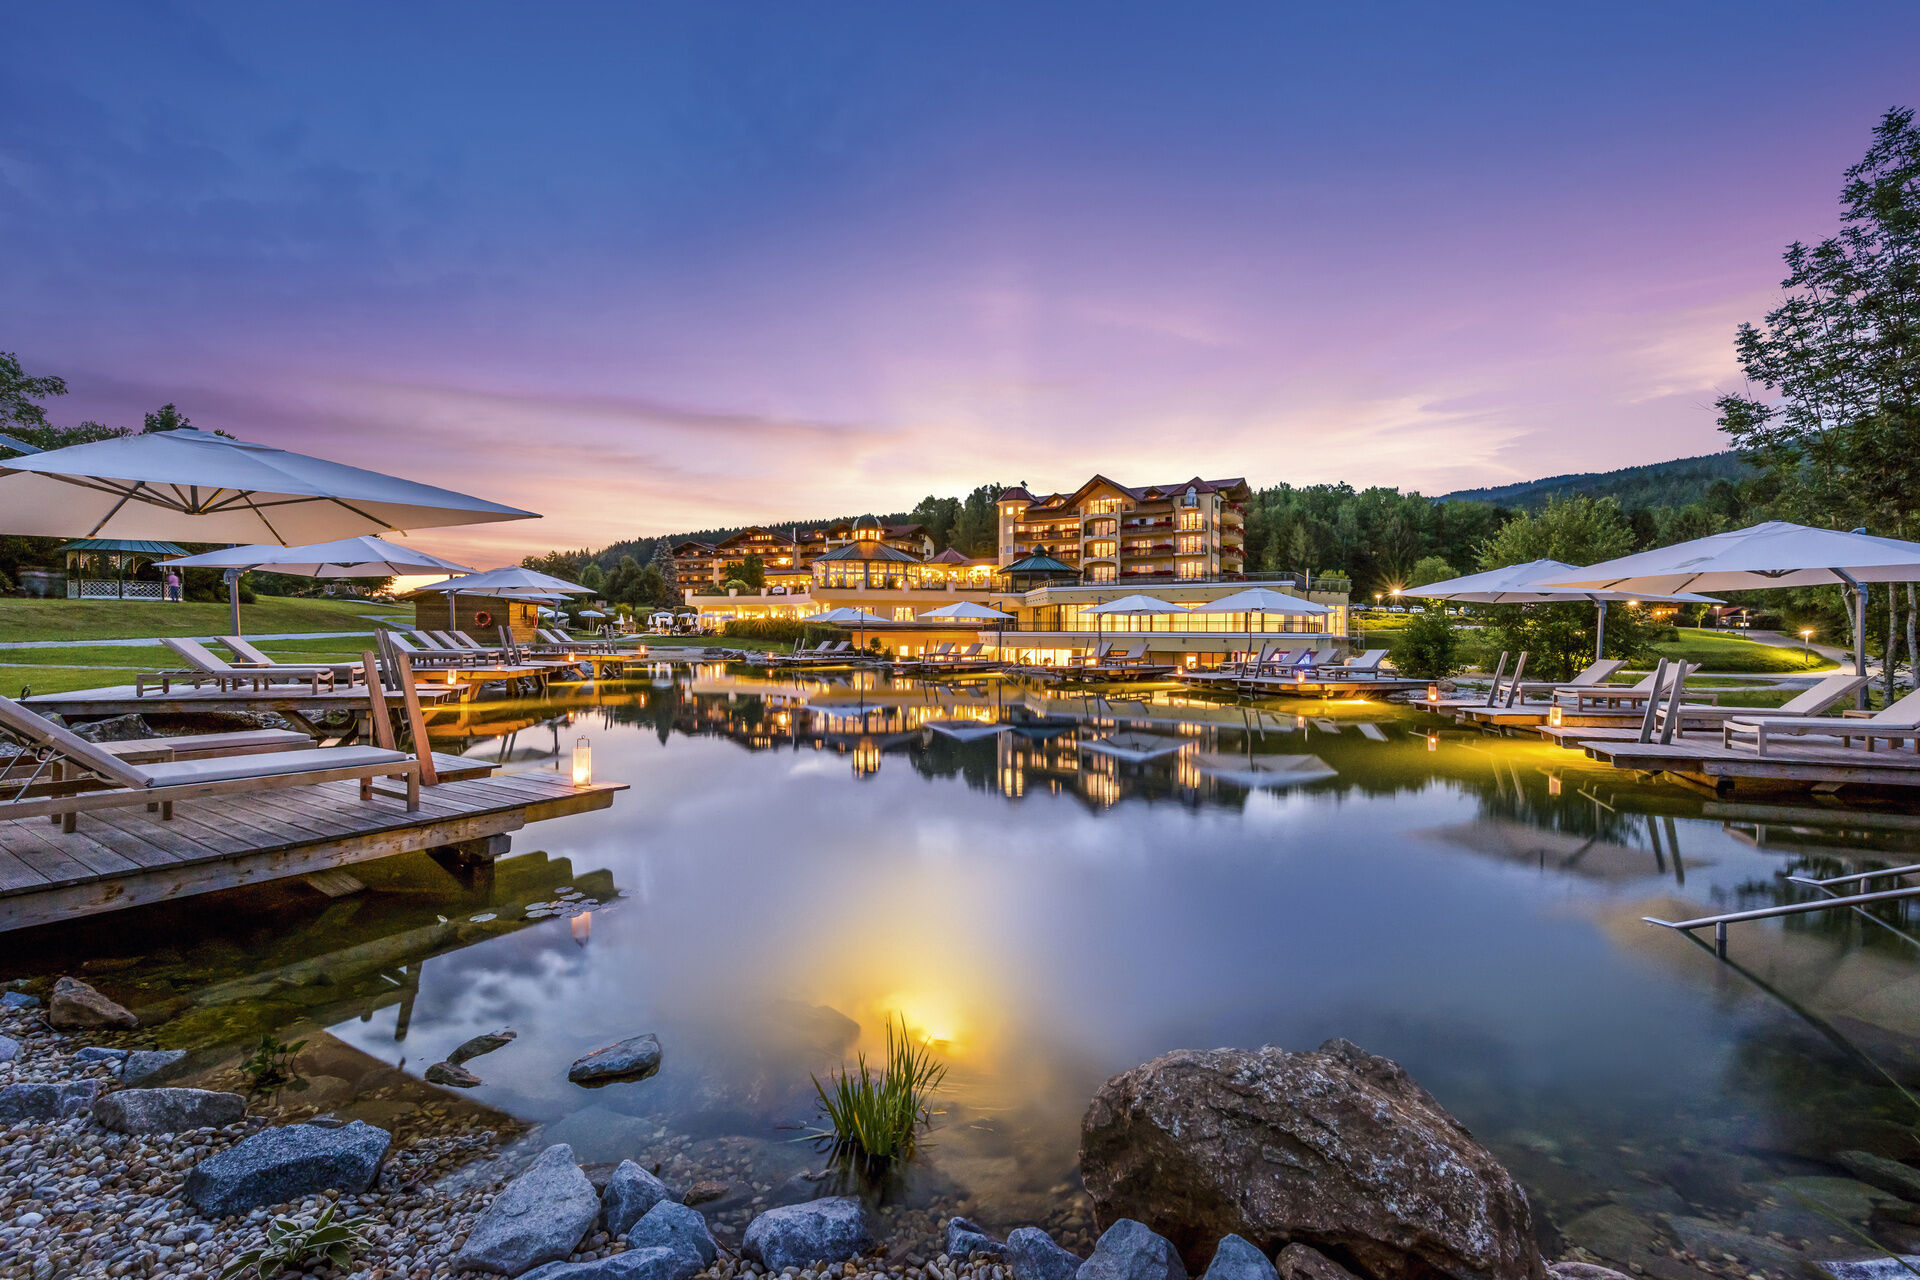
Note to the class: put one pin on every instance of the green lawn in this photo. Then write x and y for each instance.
(1720, 651)
(22, 619)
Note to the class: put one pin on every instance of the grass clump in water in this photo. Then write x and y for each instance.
(876, 1119)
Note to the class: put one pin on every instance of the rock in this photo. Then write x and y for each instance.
(18, 1000)
(1895, 1268)
(833, 1229)
(633, 1059)
(541, 1216)
(9, 1049)
(1032, 1255)
(1612, 1231)
(1891, 1176)
(1235, 1259)
(167, 1110)
(452, 1074)
(144, 1064)
(1708, 1240)
(481, 1044)
(278, 1165)
(125, 728)
(964, 1239)
(676, 1228)
(631, 1191)
(98, 1053)
(1298, 1262)
(634, 1264)
(1130, 1250)
(1336, 1149)
(75, 1006)
(1583, 1271)
(705, 1190)
(46, 1101)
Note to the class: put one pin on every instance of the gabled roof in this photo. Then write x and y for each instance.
(692, 546)
(866, 551)
(949, 556)
(1145, 493)
(1017, 493)
(775, 534)
(1040, 564)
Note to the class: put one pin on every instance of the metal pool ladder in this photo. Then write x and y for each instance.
(1853, 902)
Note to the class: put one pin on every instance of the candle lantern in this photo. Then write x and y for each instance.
(582, 762)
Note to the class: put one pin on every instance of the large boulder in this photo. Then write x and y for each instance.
(541, 1216)
(634, 1264)
(832, 1229)
(1298, 1262)
(1335, 1149)
(1130, 1250)
(75, 1006)
(167, 1110)
(629, 1193)
(631, 1059)
(964, 1239)
(144, 1064)
(679, 1229)
(1235, 1259)
(1902, 1180)
(46, 1101)
(278, 1165)
(1032, 1254)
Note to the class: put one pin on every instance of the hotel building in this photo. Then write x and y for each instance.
(1113, 533)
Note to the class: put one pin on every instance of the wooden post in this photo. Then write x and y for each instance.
(377, 697)
(416, 722)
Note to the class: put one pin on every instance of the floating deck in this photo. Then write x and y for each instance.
(1708, 761)
(127, 857)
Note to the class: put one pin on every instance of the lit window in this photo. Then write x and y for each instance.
(903, 613)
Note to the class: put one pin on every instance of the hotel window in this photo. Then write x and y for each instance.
(1192, 568)
(1100, 506)
(903, 613)
(1102, 528)
(1104, 548)
(1193, 520)
(1193, 544)
(1100, 573)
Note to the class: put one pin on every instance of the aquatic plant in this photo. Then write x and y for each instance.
(271, 1062)
(876, 1119)
(293, 1247)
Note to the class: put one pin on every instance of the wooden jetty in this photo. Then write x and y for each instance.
(127, 857)
(290, 702)
(1706, 760)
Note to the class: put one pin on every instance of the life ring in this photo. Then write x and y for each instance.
(481, 618)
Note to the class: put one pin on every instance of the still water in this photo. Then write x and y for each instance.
(1051, 889)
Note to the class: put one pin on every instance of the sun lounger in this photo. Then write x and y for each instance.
(1595, 673)
(424, 654)
(1898, 722)
(245, 656)
(1580, 698)
(187, 746)
(204, 664)
(90, 778)
(1366, 664)
(1813, 701)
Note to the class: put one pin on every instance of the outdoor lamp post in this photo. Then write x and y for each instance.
(1806, 641)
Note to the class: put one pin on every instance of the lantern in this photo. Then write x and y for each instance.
(582, 762)
(1557, 716)
(1433, 693)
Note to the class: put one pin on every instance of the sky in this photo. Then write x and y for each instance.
(646, 268)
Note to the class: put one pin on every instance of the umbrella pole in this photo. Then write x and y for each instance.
(1600, 630)
(233, 598)
(1859, 634)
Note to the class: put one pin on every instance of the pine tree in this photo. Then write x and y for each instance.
(669, 576)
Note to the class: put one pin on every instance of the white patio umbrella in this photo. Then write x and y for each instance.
(592, 613)
(196, 486)
(1529, 584)
(1261, 600)
(968, 611)
(512, 582)
(363, 557)
(1128, 606)
(848, 617)
(1774, 554)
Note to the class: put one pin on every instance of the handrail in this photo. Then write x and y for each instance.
(1720, 922)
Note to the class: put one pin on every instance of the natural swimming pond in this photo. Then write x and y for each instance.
(1053, 888)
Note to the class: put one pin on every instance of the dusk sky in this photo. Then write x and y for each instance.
(647, 267)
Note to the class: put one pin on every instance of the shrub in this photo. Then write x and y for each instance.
(734, 584)
(877, 1119)
(1428, 647)
(292, 1247)
(781, 630)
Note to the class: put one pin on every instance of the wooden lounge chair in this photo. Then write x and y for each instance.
(1595, 673)
(206, 664)
(84, 777)
(1578, 698)
(245, 655)
(422, 654)
(1366, 664)
(1813, 701)
(22, 768)
(1898, 722)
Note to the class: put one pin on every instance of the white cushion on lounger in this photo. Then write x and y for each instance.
(180, 773)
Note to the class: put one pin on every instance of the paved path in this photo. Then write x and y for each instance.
(89, 644)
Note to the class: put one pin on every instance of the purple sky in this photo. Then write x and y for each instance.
(645, 268)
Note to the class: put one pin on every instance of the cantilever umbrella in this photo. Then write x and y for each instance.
(512, 582)
(1773, 554)
(856, 618)
(195, 486)
(1128, 606)
(1261, 600)
(364, 557)
(1531, 583)
(968, 611)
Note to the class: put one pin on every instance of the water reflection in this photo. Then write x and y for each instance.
(1053, 887)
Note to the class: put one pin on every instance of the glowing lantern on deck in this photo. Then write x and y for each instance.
(1433, 693)
(1557, 716)
(582, 762)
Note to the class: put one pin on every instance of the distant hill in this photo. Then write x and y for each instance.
(1658, 484)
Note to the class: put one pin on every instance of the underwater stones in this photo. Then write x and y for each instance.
(1130, 1250)
(541, 1216)
(278, 1165)
(1891, 1176)
(167, 1110)
(42, 1101)
(480, 1044)
(1235, 1259)
(706, 1191)
(629, 1193)
(1033, 1255)
(75, 1006)
(452, 1075)
(144, 1064)
(635, 1058)
(964, 1239)
(1335, 1146)
(832, 1229)
(1709, 1241)
(18, 1000)
(1612, 1231)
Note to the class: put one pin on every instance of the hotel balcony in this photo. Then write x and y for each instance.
(1128, 526)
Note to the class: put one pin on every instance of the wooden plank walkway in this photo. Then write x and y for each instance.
(1706, 758)
(121, 699)
(126, 857)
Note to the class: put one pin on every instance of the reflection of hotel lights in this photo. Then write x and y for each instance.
(581, 926)
(1433, 742)
(1553, 784)
(866, 758)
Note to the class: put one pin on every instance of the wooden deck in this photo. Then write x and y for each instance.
(127, 857)
(121, 699)
(1705, 759)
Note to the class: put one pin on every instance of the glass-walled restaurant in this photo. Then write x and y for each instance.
(1074, 617)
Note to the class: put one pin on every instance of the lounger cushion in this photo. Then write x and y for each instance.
(182, 773)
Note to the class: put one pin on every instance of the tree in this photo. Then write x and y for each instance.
(670, 594)
(1577, 530)
(1428, 570)
(594, 578)
(752, 571)
(1428, 647)
(976, 530)
(20, 396)
(166, 418)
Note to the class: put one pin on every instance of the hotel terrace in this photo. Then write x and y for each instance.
(1058, 555)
